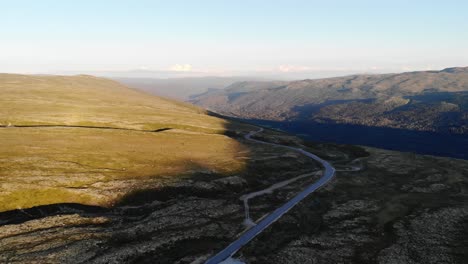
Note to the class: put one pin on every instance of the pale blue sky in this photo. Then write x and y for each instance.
(232, 37)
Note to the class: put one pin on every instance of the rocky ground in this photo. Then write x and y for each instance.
(401, 208)
(398, 208)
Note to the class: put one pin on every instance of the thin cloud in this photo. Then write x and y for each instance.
(181, 68)
(293, 68)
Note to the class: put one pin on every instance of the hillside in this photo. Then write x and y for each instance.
(431, 101)
(88, 140)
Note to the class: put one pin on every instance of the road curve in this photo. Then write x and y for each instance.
(328, 173)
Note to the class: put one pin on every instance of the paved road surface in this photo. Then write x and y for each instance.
(328, 174)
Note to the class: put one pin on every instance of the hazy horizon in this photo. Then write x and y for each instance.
(280, 39)
(171, 75)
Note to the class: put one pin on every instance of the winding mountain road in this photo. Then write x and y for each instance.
(328, 174)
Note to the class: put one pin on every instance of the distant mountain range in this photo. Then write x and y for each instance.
(181, 88)
(429, 102)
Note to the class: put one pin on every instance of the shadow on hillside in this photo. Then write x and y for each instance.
(138, 197)
(308, 110)
(421, 142)
(19, 216)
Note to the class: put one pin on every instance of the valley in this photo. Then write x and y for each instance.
(94, 172)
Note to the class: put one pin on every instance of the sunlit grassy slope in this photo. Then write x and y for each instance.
(91, 101)
(76, 158)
